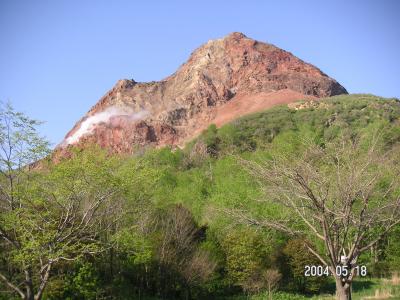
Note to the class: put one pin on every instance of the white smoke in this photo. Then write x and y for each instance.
(88, 125)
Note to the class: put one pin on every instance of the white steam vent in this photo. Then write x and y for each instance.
(88, 125)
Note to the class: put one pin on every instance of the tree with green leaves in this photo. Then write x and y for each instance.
(298, 256)
(245, 259)
(48, 213)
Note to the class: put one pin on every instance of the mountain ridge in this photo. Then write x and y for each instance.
(222, 80)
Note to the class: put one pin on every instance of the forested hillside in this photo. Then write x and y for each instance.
(188, 223)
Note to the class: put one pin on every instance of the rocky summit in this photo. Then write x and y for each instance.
(223, 79)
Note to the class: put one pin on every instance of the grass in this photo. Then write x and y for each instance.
(363, 289)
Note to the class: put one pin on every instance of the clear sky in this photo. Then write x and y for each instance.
(57, 58)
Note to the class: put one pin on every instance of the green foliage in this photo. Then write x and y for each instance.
(245, 256)
(392, 251)
(129, 250)
(138, 248)
(299, 257)
(211, 139)
(85, 282)
(19, 139)
(324, 120)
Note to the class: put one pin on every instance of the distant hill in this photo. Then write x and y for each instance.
(325, 119)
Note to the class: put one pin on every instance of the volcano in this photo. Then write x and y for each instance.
(222, 80)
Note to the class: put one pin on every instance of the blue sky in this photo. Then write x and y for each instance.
(57, 58)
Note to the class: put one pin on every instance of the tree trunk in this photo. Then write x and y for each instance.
(43, 282)
(376, 256)
(343, 292)
(188, 293)
(111, 262)
(29, 294)
(269, 292)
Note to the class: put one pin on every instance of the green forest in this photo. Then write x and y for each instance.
(238, 213)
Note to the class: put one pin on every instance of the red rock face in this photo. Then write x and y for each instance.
(222, 80)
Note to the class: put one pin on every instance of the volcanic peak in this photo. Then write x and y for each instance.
(222, 80)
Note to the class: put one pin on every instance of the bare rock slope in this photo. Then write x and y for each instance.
(222, 80)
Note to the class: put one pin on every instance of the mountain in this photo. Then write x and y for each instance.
(222, 80)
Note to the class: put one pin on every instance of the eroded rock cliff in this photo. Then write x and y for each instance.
(222, 80)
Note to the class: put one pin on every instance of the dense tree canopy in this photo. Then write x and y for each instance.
(159, 224)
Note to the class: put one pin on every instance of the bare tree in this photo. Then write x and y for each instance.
(342, 197)
(179, 248)
(197, 154)
(272, 277)
(199, 267)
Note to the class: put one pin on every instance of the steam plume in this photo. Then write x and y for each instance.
(87, 126)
